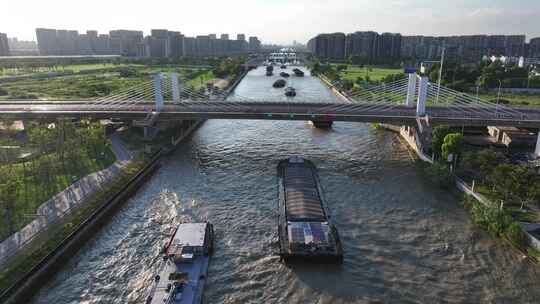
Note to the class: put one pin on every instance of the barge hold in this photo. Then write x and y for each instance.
(306, 233)
(186, 258)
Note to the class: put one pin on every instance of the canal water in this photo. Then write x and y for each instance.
(404, 240)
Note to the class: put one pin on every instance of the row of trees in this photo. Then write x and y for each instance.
(486, 75)
(514, 184)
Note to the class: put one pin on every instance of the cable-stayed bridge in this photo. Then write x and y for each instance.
(402, 102)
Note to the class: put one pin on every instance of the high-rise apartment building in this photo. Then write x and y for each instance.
(534, 48)
(254, 44)
(362, 43)
(125, 42)
(47, 43)
(4, 45)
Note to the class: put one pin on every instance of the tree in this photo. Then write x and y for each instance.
(439, 174)
(341, 67)
(437, 140)
(516, 235)
(482, 163)
(501, 177)
(453, 144)
(347, 84)
(8, 197)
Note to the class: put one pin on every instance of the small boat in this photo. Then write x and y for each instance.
(290, 92)
(283, 74)
(269, 73)
(269, 68)
(186, 257)
(283, 66)
(298, 72)
(280, 83)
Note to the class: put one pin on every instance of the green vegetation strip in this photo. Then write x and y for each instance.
(57, 234)
(65, 154)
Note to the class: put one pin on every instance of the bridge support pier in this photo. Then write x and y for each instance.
(537, 150)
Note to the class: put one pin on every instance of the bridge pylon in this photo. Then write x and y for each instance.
(411, 89)
(175, 87)
(422, 96)
(537, 150)
(158, 91)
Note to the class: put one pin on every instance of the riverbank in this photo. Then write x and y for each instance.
(48, 252)
(484, 211)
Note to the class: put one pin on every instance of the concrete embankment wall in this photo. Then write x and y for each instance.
(334, 89)
(236, 83)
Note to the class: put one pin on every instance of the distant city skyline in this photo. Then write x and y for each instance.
(278, 21)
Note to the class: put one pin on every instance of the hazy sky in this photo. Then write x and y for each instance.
(277, 21)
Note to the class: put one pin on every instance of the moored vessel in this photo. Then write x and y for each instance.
(298, 72)
(306, 233)
(284, 75)
(186, 258)
(280, 83)
(290, 92)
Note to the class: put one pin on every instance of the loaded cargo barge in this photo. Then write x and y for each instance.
(306, 233)
(186, 259)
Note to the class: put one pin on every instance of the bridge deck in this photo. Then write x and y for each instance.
(363, 112)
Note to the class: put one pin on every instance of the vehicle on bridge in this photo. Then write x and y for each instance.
(304, 227)
(186, 258)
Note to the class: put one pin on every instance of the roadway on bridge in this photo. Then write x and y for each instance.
(363, 112)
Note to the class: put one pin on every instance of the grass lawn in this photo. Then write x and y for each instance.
(201, 79)
(45, 176)
(374, 73)
(94, 85)
(75, 68)
(70, 88)
(514, 99)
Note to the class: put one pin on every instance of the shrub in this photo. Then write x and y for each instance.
(128, 72)
(515, 234)
(440, 175)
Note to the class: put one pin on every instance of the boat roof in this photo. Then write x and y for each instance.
(301, 195)
(190, 234)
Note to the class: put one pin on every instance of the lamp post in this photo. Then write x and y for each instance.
(440, 74)
(499, 92)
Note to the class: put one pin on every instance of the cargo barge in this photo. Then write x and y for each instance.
(186, 258)
(306, 233)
